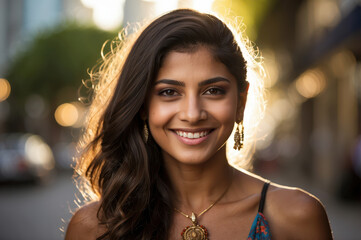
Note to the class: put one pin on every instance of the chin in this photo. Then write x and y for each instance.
(194, 161)
(192, 157)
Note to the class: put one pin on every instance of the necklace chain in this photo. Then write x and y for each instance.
(205, 210)
(196, 231)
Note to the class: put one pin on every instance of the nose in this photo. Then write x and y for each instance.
(192, 110)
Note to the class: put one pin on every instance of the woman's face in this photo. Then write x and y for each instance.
(193, 105)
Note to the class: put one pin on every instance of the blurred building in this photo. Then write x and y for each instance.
(315, 61)
(20, 20)
(313, 56)
(10, 27)
(138, 11)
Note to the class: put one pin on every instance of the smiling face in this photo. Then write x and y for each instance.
(193, 105)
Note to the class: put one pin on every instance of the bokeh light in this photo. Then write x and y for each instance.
(5, 89)
(38, 152)
(107, 14)
(311, 83)
(203, 6)
(163, 6)
(272, 68)
(67, 114)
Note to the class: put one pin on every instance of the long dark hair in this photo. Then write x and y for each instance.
(120, 165)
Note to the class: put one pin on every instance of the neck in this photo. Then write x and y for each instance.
(200, 185)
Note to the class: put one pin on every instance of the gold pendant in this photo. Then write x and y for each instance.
(195, 232)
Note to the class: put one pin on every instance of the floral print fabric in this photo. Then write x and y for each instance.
(260, 229)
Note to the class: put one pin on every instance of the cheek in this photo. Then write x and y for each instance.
(159, 114)
(224, 111)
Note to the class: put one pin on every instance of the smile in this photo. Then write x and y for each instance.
(193, 135)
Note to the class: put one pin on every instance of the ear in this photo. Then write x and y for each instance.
(242, 99)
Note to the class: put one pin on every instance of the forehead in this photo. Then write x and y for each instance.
(199, 64)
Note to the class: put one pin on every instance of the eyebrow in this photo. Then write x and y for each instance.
(171, 82)
(201, 84)
(213, 80)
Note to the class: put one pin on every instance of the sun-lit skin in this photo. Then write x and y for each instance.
(190, 106)
(183, 101)
(194, 93)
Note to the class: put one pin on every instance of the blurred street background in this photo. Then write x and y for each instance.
(311, 131)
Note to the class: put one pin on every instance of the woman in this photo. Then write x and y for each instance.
(155, 155)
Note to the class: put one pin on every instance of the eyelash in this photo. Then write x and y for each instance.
(163, 92)
(220, 91)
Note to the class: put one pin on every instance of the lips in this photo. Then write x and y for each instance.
(192, 134)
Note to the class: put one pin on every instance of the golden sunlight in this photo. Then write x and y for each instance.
(163, 6)
(203, 6)
(5, 89)
(311, 83)
(66, 115)
(107, 14)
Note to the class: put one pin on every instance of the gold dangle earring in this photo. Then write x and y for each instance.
(238, 137)
(145, 131)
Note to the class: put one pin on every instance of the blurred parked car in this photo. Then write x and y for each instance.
(25, 157)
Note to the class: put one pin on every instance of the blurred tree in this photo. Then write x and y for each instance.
(56, 62)
(252, 12)
(52, 67)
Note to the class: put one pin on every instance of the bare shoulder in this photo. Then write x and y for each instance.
(294, 212)
(84, 224)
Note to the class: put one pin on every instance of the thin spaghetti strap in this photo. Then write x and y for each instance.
(263, 196)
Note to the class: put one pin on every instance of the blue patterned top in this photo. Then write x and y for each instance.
(260, 229)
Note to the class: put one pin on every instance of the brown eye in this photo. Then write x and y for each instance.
(168, 92)
(214, 91)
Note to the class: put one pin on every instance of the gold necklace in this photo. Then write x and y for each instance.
(196, 231)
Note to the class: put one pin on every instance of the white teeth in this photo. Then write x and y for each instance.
(192, 135)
